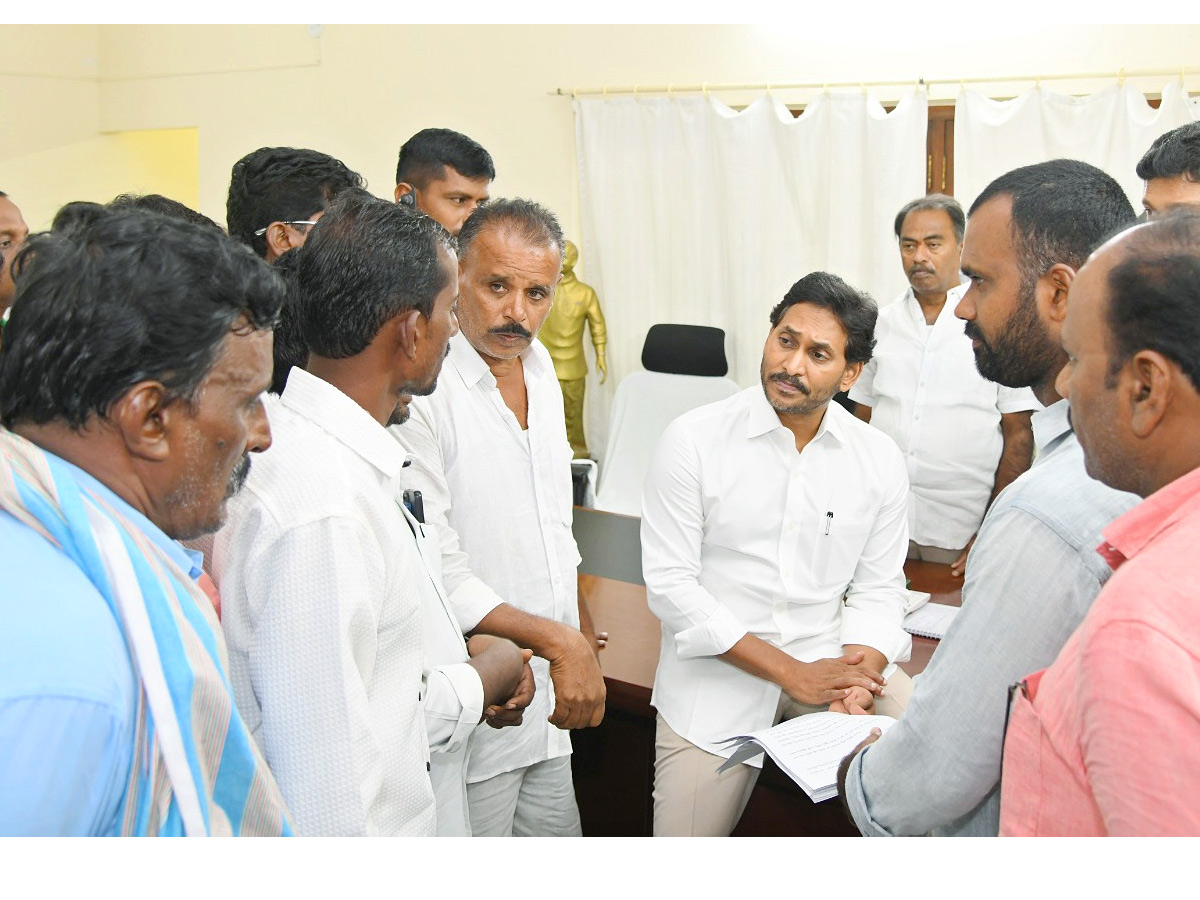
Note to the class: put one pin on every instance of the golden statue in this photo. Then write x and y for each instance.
(562, 333)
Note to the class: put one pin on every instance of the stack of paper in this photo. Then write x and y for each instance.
(808, 748)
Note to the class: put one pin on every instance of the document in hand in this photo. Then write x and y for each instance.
(808, 748)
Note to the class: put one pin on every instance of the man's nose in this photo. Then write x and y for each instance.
(260, 431)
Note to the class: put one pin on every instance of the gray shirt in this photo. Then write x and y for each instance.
(1032, 574)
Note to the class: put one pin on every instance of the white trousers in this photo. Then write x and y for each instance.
(536, 801)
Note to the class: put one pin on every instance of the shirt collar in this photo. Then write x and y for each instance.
(327, 407)
(1050, 424)
(190, 561)
(473, 369)
(917, 314)
(1131, 533)
(762, 418)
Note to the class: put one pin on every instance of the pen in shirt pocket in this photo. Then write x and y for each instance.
(828, 522)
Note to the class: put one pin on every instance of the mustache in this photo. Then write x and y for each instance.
(921, 270)
(972, 331)
(237, 478)
(512, 328)
(792, 380)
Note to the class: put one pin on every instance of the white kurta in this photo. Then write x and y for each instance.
(743, 535)
(500, 498)
(318, 576)
(927, 395)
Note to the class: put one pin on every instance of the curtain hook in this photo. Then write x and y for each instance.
(670, 92)
(605, 93)
(635, 90)
(574, 93)
(704, 87)
(1121, 77)
(1181, 71)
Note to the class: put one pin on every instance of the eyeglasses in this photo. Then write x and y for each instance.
(263, 231)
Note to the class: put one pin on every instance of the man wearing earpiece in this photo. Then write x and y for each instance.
(445, 175)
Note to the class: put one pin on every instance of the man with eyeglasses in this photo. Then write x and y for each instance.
(445, 175)
(276, 194)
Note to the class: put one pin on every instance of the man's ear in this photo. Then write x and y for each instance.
(279, 240)
(1056, 284)
(409, 332)
(145, 419)
(850, 376)
(1148, 381)
(403, 189)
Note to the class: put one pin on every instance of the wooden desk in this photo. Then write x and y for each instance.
(614, 764)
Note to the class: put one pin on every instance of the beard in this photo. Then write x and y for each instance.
(238, 476)
(1023, 354)
(813, 399)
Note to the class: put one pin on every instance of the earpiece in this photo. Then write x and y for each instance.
(409, 199)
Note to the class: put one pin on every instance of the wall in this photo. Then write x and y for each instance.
(358, 91)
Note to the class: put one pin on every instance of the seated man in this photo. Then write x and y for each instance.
(964, 438)
(325, 590)
(1034, 570)
(1104, 741)
(129, 394)
(774, 531)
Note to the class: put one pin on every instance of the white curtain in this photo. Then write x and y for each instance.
(1110, 129)
(695, 213)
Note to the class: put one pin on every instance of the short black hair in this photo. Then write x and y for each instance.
(425, 155)
(130, 296)
(945, 203)
(164, 206)
(289, 349)
(1154, 294)
(76, 214)
(281, 184)
(365, 262)
(530, 220)
(1173, 154)
(1062, 210)
(855, 311)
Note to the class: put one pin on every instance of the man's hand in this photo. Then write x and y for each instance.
(959, 566)
(513, 710)
(844, 766)
(858, 702)
(826, 680)
(578, 684)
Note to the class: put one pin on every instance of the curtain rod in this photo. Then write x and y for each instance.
(706, 89)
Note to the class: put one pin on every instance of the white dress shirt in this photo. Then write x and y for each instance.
(318, 573)
(927, 395)
(738, 538)
(500, 498)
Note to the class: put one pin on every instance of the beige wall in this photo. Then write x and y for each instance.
(358, 91)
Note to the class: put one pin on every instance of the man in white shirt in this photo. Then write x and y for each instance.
(491, 457)
(325, 592)
(774, 531)
(964, 438)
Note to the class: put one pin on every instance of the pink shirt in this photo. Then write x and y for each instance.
(1107, 740)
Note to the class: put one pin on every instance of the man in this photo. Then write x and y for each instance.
(129, 396)
(1103, 742)
(492, 461)
(1171, 170)
(1119, 705)
(322, 581)
(760, 514)
(1034, 570)
(964, 438)
(276, 194)
(13, 233)
(445, 175)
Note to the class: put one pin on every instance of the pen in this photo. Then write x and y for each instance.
(828, 522)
